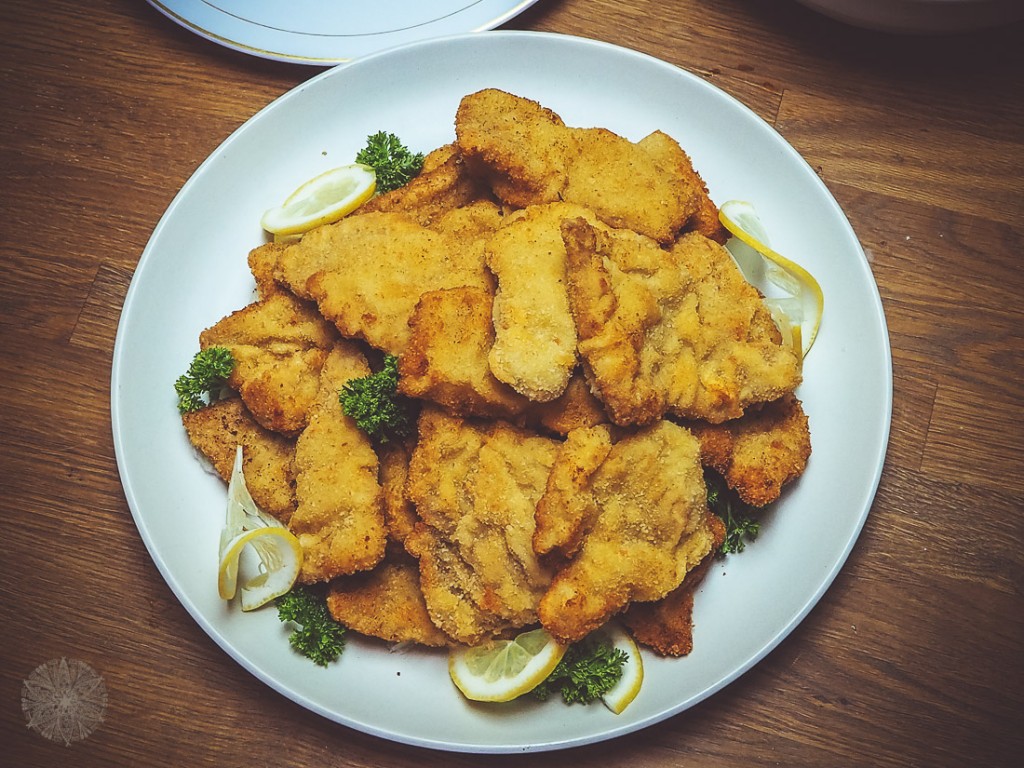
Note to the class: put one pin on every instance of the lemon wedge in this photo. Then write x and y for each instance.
(502, 670)
(628, 686)
(791, 293)
(322, 200)
(278, 550)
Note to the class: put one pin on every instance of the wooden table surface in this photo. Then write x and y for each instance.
(913, 657)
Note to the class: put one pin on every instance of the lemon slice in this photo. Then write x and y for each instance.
(322, 200)
(791, 293)
(501, 670)
(278, 550)
(628, 686)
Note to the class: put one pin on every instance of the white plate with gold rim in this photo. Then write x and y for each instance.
(193, 272)
(322, 32)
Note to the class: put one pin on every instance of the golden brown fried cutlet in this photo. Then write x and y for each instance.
(386, 603)
(366, 273)
(399, 513)
(675, 331)
(530, 157)
(475, 488)
(446, 359)
(534, 347)
(666, 626)
(575, 408)
(262, 263)
(442, 186)
(217, 430)
(279, 344)
(567, 510)
(339, 518)
(761, 452)
(649, 527)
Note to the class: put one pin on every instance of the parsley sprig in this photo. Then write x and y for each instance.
(375, 405)
(315, 633)
(741, 527)
(391, 159)
(207, 374)
(587, 671)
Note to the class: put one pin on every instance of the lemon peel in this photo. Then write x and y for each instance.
(278, 550)
(502, 670)
(324, 199)
(799, 308)
(626, 689)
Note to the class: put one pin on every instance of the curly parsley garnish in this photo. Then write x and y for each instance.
(391, 159)
(206, 375)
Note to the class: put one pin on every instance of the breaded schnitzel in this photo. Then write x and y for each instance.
(446, 359)
(339, 519)
(519, 148)
(262, 262)
(217, 430)
(475, 488)
(366, 273)
(442, 186)
(576, 407)
(399, 514)
(530, 157)
(671, 332)
(567, 510)
(279, 345)
(649, 525)
(760, 452)
(666, 626)
(534, 349)
(386, 603)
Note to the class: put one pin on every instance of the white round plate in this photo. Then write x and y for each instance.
(193, 272)
(326, 32)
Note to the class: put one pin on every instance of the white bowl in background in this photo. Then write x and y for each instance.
(921, 16)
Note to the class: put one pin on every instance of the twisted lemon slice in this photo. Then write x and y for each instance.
(279, 552)
(791, 293)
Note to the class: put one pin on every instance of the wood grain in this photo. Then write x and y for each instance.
(916, 655)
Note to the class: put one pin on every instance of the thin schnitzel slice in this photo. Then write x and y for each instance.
(446, 359)
(738, 348)
(675, 331)
(704, 216)
(518, 147)
(528, 156)
(649, 526)
(442, 186)
(567, 510)
(475, 488)
(666, 626)
(385, 603)
(575, 408)
(399, 513)
(339, 519)
(534, 349)
(279, 344)
(761, 452)
(262, 262)
(366, 273)
(217, 430)
(646, 186)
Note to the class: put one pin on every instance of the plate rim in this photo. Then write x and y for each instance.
(171, 10)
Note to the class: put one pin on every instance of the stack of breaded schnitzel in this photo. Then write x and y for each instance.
(582, 347)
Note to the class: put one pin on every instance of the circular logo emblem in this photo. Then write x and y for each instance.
(64, 700)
